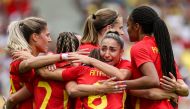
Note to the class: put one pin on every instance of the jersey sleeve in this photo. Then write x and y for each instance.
(71, 73)
(125, 64)
(14, 67)
(140, 55)
(25, 77)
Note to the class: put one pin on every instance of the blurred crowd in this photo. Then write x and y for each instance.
(176, 14)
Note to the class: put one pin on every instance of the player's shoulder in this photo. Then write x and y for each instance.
(15, 63)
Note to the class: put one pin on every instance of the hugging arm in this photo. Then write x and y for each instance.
(110, 70)
(36, 62)
(19, 96)
(148, 80)
(153, 94)
(176, 86)
(106, 86)
(47, 74)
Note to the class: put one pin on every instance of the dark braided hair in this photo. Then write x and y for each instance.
(67, 42)
(151, 23)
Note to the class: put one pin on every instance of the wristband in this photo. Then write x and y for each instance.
(63, 56)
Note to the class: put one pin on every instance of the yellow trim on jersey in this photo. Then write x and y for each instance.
(137, 105)
(13, 90)
(48, 93)
(124, 98)
(65, 100)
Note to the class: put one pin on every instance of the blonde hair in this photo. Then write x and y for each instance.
(20, 32)
(96, 22)
(16, 40)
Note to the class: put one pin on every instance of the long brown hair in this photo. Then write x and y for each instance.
(96, 22)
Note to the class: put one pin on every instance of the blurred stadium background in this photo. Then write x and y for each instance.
(69, 15)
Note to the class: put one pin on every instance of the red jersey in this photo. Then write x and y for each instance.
(18, 80)
(49, 94)
(142, 52)
(88, 46)
(90, 75)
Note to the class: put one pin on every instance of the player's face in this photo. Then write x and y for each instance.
(132, 30)
(118, 26)
(43, 40)
(110, 51)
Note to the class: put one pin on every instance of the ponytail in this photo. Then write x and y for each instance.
(21, 31)
(152, 24)
(163, 42)
(96, 22)
(16, 40)
(90, 34)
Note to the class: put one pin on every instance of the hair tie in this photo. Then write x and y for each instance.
(93, 16)
(21, 24)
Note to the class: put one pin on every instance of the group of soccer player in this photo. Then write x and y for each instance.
(88, 72)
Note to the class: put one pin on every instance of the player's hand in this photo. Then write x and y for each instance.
(111, 86)
(21, 55)
(5, 103)
(51, 67)
(4, 106)
(169, 84)
(83, 51)
(8, 104)
(76, 58)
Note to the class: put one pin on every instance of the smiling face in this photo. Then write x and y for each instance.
(110, 51)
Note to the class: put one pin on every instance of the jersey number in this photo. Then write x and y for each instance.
(102, 105)
(48, 94)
